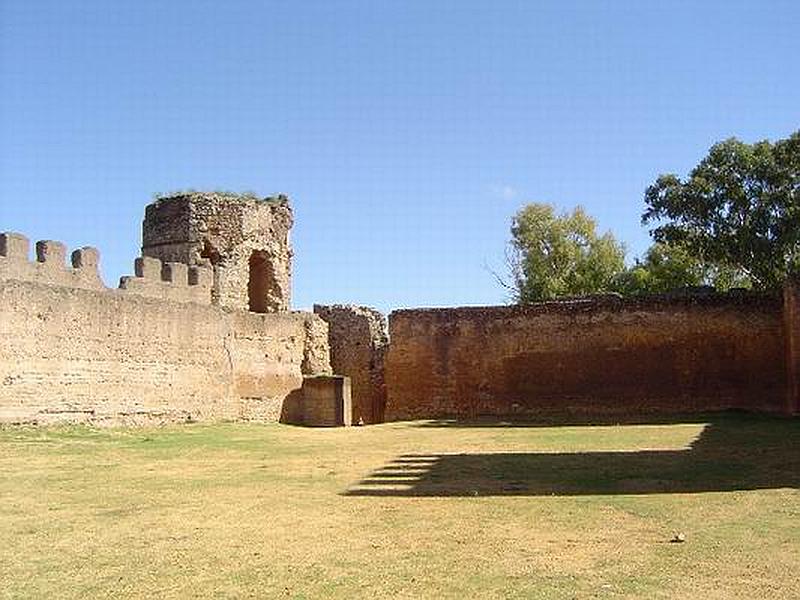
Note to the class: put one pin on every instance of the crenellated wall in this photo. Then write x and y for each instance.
(161, 349)
(154, 350)
(50, 265)
(171, 281)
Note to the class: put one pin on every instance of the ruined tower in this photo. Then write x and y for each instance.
(244, 238)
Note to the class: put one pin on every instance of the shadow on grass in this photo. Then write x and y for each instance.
(567, 420)
(732, 453)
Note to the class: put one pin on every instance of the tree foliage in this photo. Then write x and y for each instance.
(738, 211)
(666, 268)
(663, 269)
(555, 255)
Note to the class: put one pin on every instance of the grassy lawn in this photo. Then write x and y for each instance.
(405, 510)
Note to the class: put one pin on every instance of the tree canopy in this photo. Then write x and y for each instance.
(733, 222)
(555, 255)
(738, 211)
(666, 268)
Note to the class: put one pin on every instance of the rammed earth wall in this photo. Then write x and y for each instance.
(155, 350)
(160, 349)
(595, 357)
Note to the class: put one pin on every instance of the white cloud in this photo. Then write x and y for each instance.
(504, 191)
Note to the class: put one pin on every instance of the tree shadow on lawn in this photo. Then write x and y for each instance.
(731, 453)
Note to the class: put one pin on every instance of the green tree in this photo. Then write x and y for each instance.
(737, 212)
(663, 269)
(666, 268)
(555, 255)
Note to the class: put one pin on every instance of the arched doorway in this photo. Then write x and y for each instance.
(260, 282)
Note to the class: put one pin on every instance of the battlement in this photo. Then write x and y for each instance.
(170, 281)
(50, 266)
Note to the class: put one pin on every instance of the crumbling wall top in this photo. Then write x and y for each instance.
(245, 239)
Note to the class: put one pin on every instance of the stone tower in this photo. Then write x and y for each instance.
(244, 238)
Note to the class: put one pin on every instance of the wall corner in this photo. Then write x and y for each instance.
(791, 328)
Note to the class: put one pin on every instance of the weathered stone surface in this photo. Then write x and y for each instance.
(791, 315)
(85, 258)
(358, 339)
(202, 332)
(317, 357)
(157, 349)
(173, 272)
(50, 267)
(14, 246)
(112, 357)
(174, 282)
(326, 401)
(51, 254)
(147, 268)
(594, 357)
(244, 239)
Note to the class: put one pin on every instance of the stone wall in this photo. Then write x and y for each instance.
(358, 338)
(791, 315)
(592, 357)
(154, 350)
(243, 238)
(159, 349)
(50, 265)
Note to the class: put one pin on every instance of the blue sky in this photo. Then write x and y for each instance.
(406, 133)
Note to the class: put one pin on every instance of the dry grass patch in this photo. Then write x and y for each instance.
(406, 510)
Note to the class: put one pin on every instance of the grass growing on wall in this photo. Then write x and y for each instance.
(406, 510)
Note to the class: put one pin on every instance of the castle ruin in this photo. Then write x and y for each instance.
(243, 239)
(203, 330)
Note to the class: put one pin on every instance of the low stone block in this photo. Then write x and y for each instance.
(14, 246)
(326, 401)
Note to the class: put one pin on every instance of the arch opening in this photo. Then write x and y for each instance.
(260, 283)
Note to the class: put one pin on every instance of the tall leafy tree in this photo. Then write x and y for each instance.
(555, 255)
(738, 211)
(666, 268)
(663, 269)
